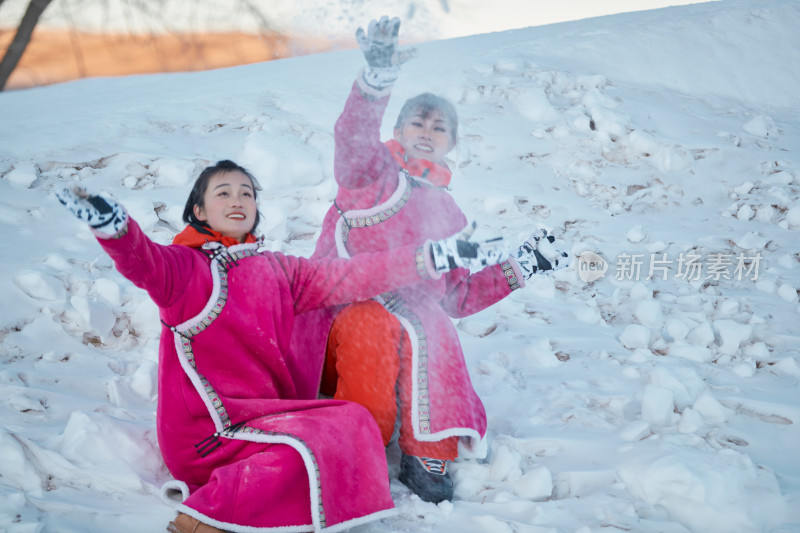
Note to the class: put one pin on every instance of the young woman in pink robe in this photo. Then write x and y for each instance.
(240, 427)
(404, 350)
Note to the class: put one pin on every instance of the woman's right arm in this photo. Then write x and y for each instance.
(163, 271)
(160, 270)
(360, 157)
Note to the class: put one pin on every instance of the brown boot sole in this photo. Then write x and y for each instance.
(184, 523)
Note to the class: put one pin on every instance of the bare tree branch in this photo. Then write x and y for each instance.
(21, 39)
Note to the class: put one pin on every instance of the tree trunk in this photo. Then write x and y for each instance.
(21, 39)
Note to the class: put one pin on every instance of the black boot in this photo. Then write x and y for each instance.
(426, 477)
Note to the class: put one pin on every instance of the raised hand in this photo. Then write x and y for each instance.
(102, 214)
(537, 255)
(379, 45)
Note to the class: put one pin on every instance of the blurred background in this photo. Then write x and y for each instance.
(51, 41)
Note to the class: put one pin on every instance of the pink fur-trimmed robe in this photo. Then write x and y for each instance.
(239, 423)
(379, 207)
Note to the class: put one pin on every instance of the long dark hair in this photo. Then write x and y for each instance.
(201, 184)
(424, 104)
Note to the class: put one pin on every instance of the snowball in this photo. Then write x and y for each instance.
(745, 212)
(636, 234)
(635, 336)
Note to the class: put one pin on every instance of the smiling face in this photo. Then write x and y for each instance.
(425, 135)
(229, 204)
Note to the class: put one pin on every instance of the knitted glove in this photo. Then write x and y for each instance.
(459, 252)
(379, 45)
(538, 256)
(105, 216)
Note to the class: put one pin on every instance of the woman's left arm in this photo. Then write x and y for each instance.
(467, 294)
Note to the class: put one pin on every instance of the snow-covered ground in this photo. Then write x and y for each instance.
(661, 397)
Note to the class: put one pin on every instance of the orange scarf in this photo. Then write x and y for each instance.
(195, 236)
(436, 173)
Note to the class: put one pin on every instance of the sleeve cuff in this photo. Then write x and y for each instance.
(425, 266)
(121, 232)
(513, 274)
(368, 90)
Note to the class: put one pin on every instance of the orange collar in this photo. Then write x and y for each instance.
(195, 236)
(435, 173)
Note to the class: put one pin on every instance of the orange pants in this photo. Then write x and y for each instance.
(368, 361)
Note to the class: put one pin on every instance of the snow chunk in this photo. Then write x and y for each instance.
(677, 329)
(96, 315)
(788, 293)
(640, 292)
(761, 126)
(751, 241)
(22, 175)
(636, 234)
(712, 411)
(635, 336)
(634, 431)
(505, 463)
(15, 468)
(713, 492)
(536, 485)
(657, 405)
(702, 335)
(172, 172)
(793, 217)
(732, 334)
(648, 313)
(699, 354)
(540, 351)
(41, 286)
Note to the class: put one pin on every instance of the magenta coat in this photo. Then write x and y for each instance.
(379, 207)
(239, 423)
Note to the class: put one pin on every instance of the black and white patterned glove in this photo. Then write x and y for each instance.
(537, 255)
(104, 215)
(379, 45)
(459, 252)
